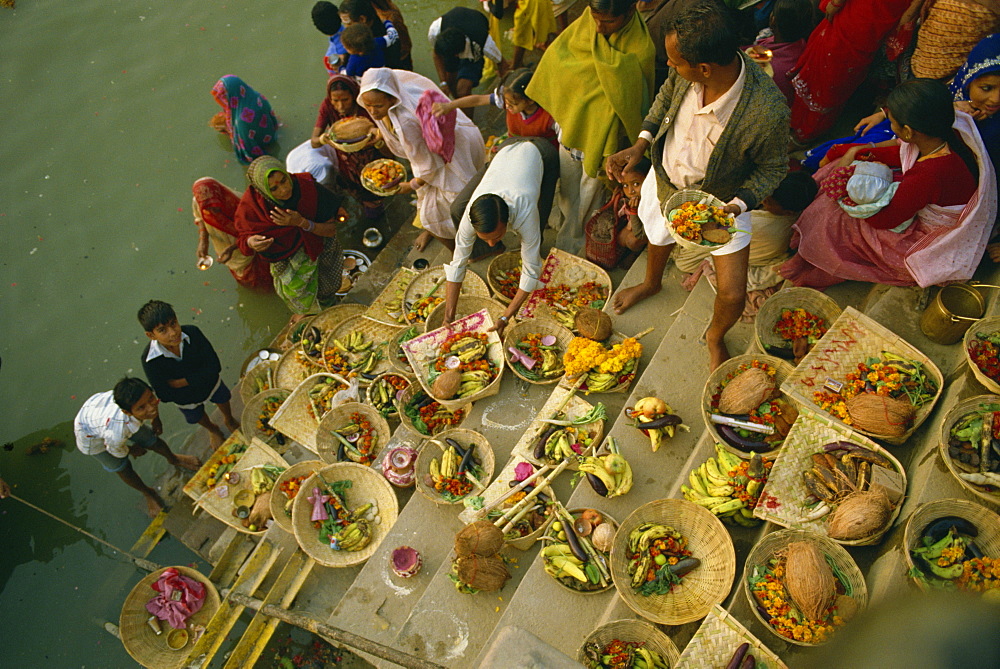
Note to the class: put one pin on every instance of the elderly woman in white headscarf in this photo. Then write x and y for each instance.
(391, 97)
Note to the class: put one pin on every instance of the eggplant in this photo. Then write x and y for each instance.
(783, 352)
(598, 485)
(575, 545)
(940, 527)
(684, 566)
(366, 375)
(737, 658)
(539, 450)
(840, 446)
(763, 613)
(457, 446)
(341, 452)
(663, 421)
(972, 551)
(466, 460)
(748, 662)
(422, 400)
(733, 438)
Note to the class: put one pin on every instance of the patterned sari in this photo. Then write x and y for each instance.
(214, 206)
(249, 120)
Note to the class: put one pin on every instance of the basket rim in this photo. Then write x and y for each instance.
(257, 403)
(547, 532)
(370, 186)
(380, 425)
(501, 261)
(280, 519)
(559, 331)
(930, 511)
(689, 195)
(653, 634)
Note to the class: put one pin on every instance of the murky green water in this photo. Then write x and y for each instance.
(105, 108)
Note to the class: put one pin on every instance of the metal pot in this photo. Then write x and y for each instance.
(952, 311)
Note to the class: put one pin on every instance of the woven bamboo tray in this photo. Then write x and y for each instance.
(986, 326)
(499, 486)
(783, 370)
(433, 448)
(550, 533)
(264, 372)
(293, 368)
(985, 520)
(564, 268)
(467, 304)
(851, 339)
(278, 498)
(197, 485)
(679, 198)
(394, 290)
(702, 588)
(294, 419)
(392, 187)
(393, 412)
(718, 638)
(516, 332)
(368, 486)
(258, 453)
(771, 544)
(632, 630)
(472, 286)
(327, 445)
(809, 299)
(498, 266)
(405, 421)
(422, 351)
(377, 333)
(960, 409)
(141, 642)
(251, 414)
(333, 316)
(781, 499)
(576, 407)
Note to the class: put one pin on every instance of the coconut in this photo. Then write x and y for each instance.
(860, 515)
(602, 537)
(481, 538)
(446, 386)
(487, 574)
(808, 579)
(747, 391)
(592, 324)
(881, 415)
(351, 129)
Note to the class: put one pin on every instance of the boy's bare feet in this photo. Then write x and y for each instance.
(215, 438)
(631, 296)
(188, 462)
(153, 506)
(231, 424)
(423, 240)
(718, 353)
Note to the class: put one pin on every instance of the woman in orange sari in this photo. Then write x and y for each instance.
(214, 206)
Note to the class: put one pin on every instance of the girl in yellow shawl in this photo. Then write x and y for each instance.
(596, 79)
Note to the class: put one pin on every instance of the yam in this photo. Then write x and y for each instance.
(808, 579)
(593, 324)
(881, 415)
(860, 515)
(481, 538)
(747, 391)
(446, 386)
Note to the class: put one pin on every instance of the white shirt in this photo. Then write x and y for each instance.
(515, 174)
(156, 350)
(490, 49)
(101, 425)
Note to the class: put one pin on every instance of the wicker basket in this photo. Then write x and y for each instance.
(423, 351)
(679, 198)
(603, 253)
(251, 414)
(516, 332)
(292, 369)
(327, 445)
(770, 545)
(784, 491)
(405, 421)
(564, 268)
(783, 370)
(140, 641)
(433, 448)
(373, 331)
(811, 300)
(960, 409)
(424, 282)
(702, 588)
(291, 334)
(851, 339)
(390, 188)
(333, 316)
(262, 373)
(394, 290)
(294, 419)
(550, 533)
(499, 266)
(501, 485)
(356, 123)
(576, 407)
(368, 486)
(398, 357)
(985, 325)
(718, 638)
(467, 304)
(632, 630)
(393, 412)
(278, 498)
(985, 520)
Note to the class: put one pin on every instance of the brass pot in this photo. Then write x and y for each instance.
(952, 311)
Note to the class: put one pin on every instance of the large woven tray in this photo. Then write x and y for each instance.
(424, 282)
(278, 498)
(197, 485)
(718, 638)
(467, 304)
(293, 368)
(809, 299)
(564, 268)
(333, 316)
(378, 333)
(960, 409)
(541, 326)
(576, 407)
(394, 290)
(986, 326)
(635, 631)
(327, 445)
(293, 418)
(850, 340)
(986, 521)
(423, 350)
(781, 500)
(499, 266)
(252, 411)
(434, 447)
(369, 486)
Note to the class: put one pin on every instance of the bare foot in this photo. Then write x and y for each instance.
(717, 354)
(423, 240)
(153, 506)
(188, 462)
(231, 424)
(215, 438)
(631, 296)
(994, 251)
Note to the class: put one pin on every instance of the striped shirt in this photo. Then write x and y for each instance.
(101, 425)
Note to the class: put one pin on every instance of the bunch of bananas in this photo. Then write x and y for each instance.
(559, 562)
(422, 308)
(639, 541)
(565, 316)
(468, 349)
(447, 467)
(353, 537)
(559, 445)
(261, 480)
(474, 382)
(551, 364)
(609, 475)
(360, 352)
(727, 486)
(600, 382)
(394, 307)
(321, 396)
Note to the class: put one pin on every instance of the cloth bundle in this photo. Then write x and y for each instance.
(176, 611)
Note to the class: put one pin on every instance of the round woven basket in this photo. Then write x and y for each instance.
(518, 331)
(278, 499)
(333, 316)
(433, 448)
(140, 641)
(985, 326)
(262, 372)
(770, 545)
(390, 188)
(811, 300)
(291, 370)
(405, 398)
(392, 412)
(327, 445)
(368, 486)
(985, 520)
(707, 539)
(293, 332)
(251, 413)
(549, 532)
(783, 370)
(498, 267)
(358, 126)
(679, 198)
(960, 409)
(467, 304)
(398, 358)
(634, 631)
(472, 286)
(376, 333)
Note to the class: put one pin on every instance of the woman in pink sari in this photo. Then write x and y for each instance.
(936, 225)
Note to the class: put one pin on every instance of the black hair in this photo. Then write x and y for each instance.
(487, 212)
(792, 20)
(926, 106)
(516, 81)
(642, 167)
(796, 191)
(155, 313)
(326, 17)
(358, 9)
(706, 33)
(612, 7)
(358, 37)
(128, 391)
(341, 85)
(449, 43)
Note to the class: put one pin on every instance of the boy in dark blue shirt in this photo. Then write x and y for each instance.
(366, 51)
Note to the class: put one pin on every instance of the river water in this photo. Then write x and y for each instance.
(105, 109)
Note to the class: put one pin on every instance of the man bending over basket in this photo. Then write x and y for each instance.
(718, 124)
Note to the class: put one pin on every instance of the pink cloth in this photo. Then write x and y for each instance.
(439, 131)
(784, 56)
(176, 613)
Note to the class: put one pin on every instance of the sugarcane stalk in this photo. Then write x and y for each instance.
(531, 495)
